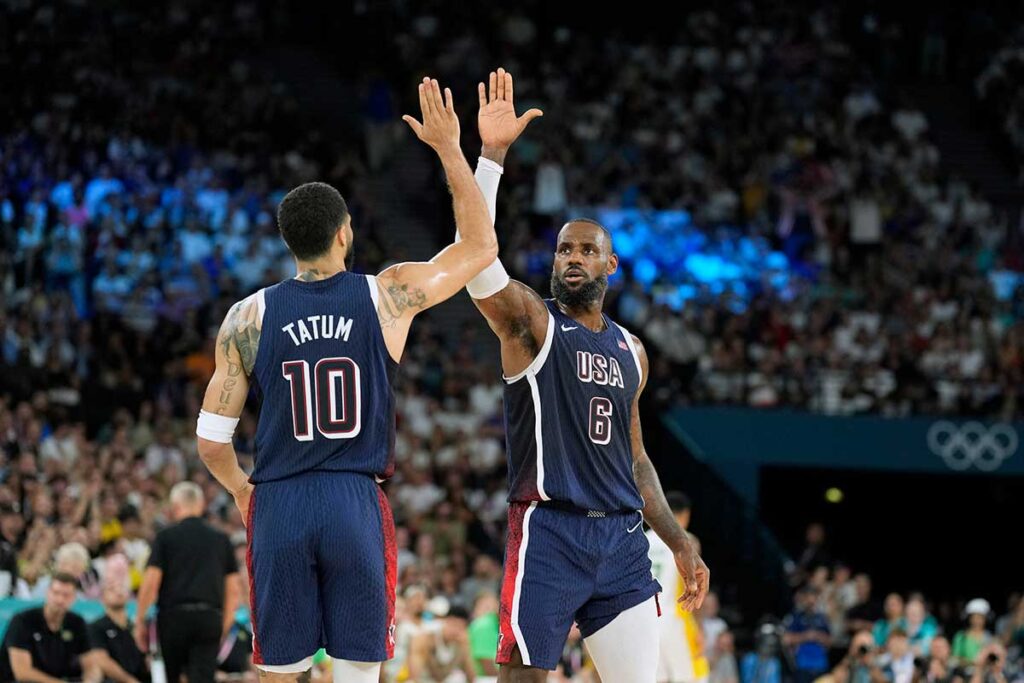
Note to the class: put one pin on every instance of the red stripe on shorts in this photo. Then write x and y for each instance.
(257, 656)
(506, 636)
(387, 522)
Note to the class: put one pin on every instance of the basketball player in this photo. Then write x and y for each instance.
(321, 550)
(681, 655)
(581, 483)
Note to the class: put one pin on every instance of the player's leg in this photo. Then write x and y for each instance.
(284, 591)
(357, 556)
(547, 578)
(345, 671)
(626, 649)
(514, 671)
(620, 622)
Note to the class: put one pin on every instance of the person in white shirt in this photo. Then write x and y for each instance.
(681, 658)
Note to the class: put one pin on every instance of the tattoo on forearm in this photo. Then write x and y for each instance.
(656, 511)
(399, 299)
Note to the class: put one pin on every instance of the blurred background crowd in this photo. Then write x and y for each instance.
(790, 237)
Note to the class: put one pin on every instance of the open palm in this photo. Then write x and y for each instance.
(499, 126)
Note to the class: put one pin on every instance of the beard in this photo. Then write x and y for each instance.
(588, 293)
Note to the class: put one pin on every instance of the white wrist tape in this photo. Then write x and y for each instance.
(493, 278)
(488, 177)
(214, 427)
(489, 282)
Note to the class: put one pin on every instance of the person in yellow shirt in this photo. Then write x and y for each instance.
(681, 658)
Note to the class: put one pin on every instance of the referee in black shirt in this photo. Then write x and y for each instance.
(193, 577)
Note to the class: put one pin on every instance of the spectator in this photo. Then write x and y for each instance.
(711, 624)
(919, 626)
(118, 656)
(440, 652)
(940, 666)
(813, 556)
(1012, 631)
(11, 524)
(486, 578)
(865, 611)
(51, 643)
(723, 660)
(764, 664)
(71, 559)
(897, 663)
(807, 636)
(893, 619)
(860, 664)
(968, 642)
(483, 636)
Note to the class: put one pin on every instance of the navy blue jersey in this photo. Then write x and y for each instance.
(567, 418)
(324, 377)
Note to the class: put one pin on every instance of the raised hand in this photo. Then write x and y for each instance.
(499, 126)
(440, 126)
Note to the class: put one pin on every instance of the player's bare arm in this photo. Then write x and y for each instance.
(516, 314)
(407, 289)
(237, 344)
(658, 514)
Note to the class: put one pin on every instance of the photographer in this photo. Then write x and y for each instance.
(764, 664)
(859, 664)
(989, 665)
(938, 668)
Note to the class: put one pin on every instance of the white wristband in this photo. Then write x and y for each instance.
(493, 278)
(488, 177)
(213, 427)
(489, 282)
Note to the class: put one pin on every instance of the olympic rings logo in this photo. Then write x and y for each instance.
(972, 443)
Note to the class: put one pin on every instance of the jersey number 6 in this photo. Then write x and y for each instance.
(600, 420)
(333, 395)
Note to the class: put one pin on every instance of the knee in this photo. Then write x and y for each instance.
(517, 672)
(288, 673)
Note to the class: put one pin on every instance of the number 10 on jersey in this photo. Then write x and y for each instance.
(332, 394)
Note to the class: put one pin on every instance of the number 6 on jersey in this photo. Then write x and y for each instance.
(334, 395)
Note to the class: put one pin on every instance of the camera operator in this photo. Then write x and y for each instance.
(989, 666)
(859, 665)
(938, 667)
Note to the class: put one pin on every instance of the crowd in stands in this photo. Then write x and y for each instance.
(137, 201)
(999, 88)
(840, 632)
(899, 294)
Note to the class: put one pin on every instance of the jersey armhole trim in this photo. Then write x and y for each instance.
(261, 304)
(371, 282)
(542, 355)
(634, 352)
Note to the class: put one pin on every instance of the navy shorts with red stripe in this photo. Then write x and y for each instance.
(563, 566)
(322, 569)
